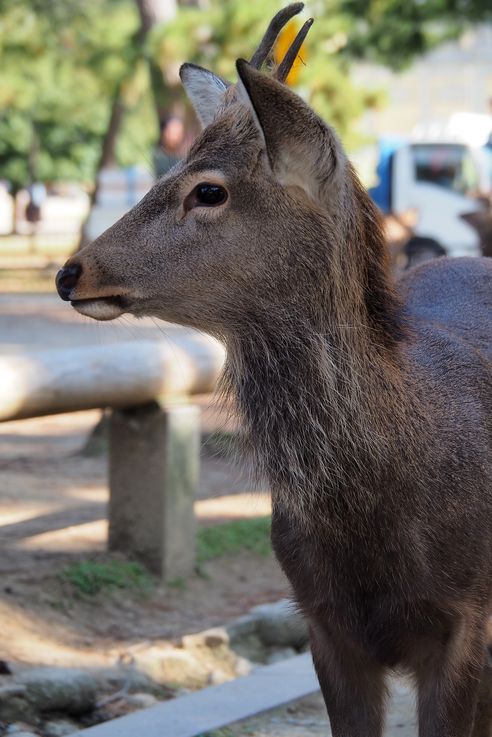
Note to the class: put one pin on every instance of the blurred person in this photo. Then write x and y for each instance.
(37, 195)
(171, 146)
(33, 214)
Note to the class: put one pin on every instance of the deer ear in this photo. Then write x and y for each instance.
(204, 89)
(303, 151)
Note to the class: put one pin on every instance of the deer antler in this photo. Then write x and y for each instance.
(286, 64)
(276, 25)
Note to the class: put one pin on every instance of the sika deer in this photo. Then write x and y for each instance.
(367, 405)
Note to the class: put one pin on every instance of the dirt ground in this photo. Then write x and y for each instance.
(53, 512)
(308, 716)
(299, 718)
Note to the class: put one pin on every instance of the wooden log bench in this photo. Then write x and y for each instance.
(154, 431)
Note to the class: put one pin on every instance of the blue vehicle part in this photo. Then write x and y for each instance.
(381, 193)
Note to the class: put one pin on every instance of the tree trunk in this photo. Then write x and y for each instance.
(107, 156)
(155, 11)
(151, 13)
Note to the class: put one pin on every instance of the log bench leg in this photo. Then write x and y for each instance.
(153, 476)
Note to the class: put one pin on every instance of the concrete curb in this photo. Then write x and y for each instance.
(215, 707)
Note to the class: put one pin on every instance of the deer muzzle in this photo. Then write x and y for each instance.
(102, 306)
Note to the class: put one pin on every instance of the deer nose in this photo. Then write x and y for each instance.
(67, 279)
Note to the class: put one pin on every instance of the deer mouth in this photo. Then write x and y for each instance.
(101, 308)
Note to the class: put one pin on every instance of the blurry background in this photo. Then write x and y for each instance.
(91, 108)
(91, 112)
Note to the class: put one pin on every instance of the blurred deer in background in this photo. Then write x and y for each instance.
(367, 406)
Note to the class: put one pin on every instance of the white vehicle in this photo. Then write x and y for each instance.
(440, 181)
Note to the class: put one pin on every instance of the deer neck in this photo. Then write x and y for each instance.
(321, 390)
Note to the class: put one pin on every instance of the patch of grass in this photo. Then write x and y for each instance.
(91, 577)
(234, 537)
(177, 583)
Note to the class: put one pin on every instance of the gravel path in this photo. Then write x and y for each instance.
(308, 717)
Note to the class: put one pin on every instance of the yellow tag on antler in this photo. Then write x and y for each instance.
(282, 45)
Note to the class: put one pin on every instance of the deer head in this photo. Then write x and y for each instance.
(253, 218)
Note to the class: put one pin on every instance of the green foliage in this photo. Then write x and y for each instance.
(393, 33)
(92, 577)
(177, 583)
(62, 62)
(387, 31)
(234, 537)
(228, 30)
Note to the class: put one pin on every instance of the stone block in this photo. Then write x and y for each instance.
(242, 627)
(59, 689)
(59, 728)
(153, 477)
(128, 679)
(16, 707)
(173, 667)
(210, 638)
(280, 624)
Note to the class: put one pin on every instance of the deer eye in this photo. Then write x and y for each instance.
(210, 194)
(206, 194)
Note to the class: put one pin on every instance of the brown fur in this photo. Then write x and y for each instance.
(366, 405)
